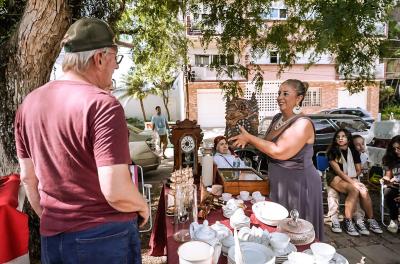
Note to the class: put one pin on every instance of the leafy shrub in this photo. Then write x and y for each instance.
(135, 122)
(395, 109)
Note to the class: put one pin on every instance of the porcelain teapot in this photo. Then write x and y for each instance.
(203, 232)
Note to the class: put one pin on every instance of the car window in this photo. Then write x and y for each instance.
(351, 124)
(323, 126)
(359, 113)
(336, 112)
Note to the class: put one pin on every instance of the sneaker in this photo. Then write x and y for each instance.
(349, 227)
(374, 226)
(361, 228)
(336, 226)
(393, 227)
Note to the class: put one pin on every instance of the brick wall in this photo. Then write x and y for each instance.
(373, 100)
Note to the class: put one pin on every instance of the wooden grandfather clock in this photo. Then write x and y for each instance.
(186, 137)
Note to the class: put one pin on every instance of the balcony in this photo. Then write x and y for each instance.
(206, 73)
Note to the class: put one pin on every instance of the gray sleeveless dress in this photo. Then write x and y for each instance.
(296, 184)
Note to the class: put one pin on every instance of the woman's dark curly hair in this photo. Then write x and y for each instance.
(391, 159)
(333, 151)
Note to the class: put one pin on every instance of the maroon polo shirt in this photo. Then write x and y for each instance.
(68, 129)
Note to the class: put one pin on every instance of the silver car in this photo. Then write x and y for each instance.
(142, 148)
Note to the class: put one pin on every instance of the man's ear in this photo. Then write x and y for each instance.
(97, 59)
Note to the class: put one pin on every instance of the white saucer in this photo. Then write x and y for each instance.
(337, 258)
(240, 198)
(289, 249)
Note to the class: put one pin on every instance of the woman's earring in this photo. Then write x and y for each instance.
(296, 110)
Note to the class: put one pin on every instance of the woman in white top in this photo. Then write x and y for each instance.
(223, 157)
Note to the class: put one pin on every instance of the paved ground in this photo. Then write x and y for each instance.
(377, 249)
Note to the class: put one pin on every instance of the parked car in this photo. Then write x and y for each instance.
(351, 111)
(142, 148)
(325, 127)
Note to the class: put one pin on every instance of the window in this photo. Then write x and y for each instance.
(202, 60)
(323, 127)
(351, 125)
(223, 60)
(273, 57)
(275, 14)
(313, 97)
(283, 13)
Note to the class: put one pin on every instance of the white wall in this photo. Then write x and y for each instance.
(211, 108)
(354, 100)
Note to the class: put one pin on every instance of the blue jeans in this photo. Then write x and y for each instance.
(115, 242)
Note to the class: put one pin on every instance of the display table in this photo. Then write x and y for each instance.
(13, 224)
(162, 241)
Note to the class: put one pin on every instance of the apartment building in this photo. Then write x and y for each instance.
(327, 88)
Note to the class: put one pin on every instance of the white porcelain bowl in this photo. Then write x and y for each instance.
(300, 258)
(253, 253)
(322, 252)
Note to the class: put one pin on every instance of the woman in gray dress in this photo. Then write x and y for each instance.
(294, 181)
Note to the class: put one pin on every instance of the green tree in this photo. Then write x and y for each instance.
(160, 43)
(345, 29)
(162, 87)
(135, 88)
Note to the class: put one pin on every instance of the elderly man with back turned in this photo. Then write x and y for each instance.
(72, 146)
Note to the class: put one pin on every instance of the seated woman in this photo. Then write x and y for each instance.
(223, 157)
(391, 161)
(345, 166)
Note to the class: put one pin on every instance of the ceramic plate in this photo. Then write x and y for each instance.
(337, 258)
(269, 213)
(253, 253)
(289, 249)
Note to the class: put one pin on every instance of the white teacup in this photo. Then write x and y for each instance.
(279, 241)
(322, 252)
(256, 195)
(300, 258)
(195, 252)
(226, 196)
(217, 189)
(244, 195)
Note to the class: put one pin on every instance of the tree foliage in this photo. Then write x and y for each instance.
(160, 43)
(345, 29)
(135, 87)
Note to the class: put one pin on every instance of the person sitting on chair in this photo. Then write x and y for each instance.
(391, 162)
(223, 157)
(345, 166)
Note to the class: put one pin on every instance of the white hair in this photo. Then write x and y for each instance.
(79, 61)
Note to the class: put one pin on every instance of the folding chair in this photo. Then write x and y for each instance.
(322, 162)
(382, 190)
(322, 165)
(146, 191)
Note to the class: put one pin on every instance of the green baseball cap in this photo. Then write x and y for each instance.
(89, 34)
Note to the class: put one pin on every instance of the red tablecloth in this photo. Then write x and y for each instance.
(13, 224)
(162, 241)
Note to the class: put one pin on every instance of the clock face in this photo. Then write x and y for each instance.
(187, 144)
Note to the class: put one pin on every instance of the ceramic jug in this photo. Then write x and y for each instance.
(203, 232)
